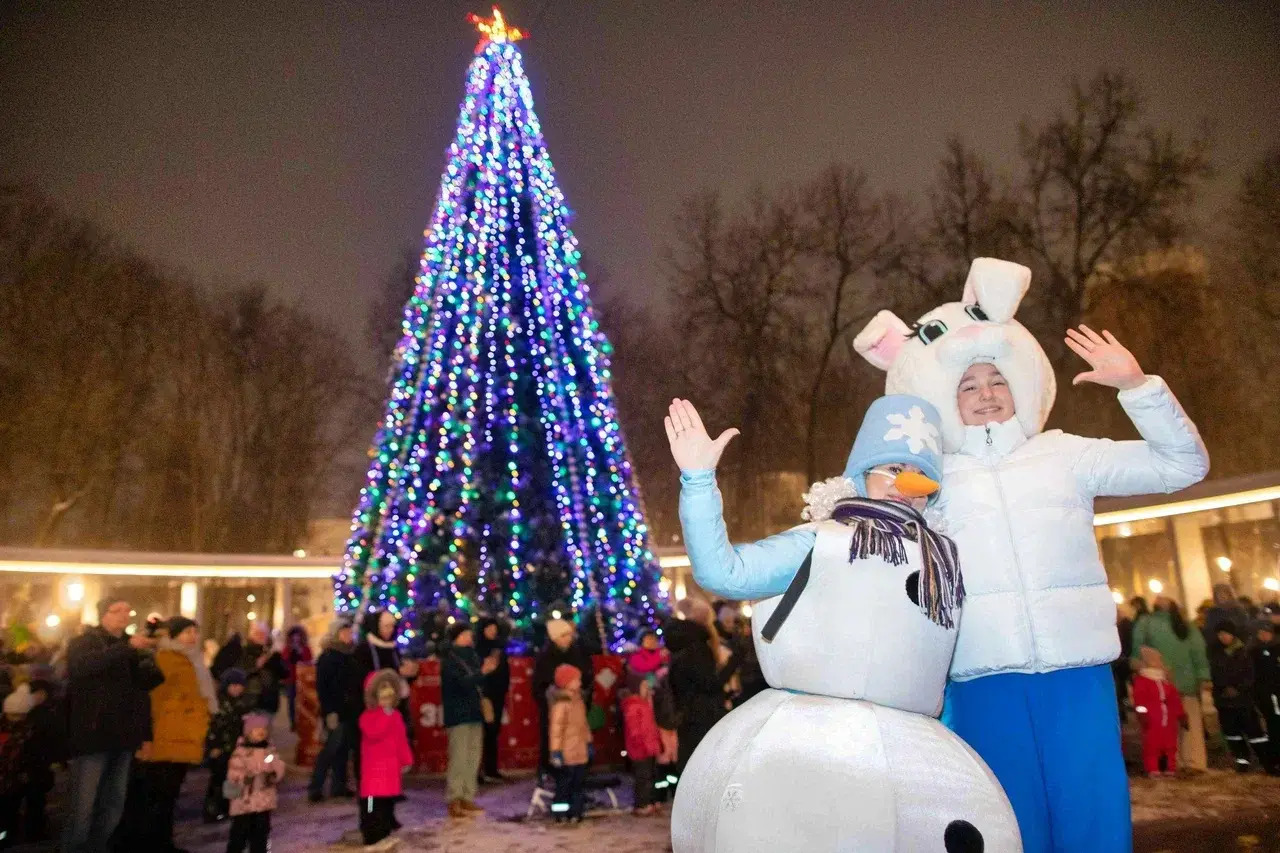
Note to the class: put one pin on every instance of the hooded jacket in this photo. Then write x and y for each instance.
(384, 741)
(179, 710)
(258, 769)
(1185, 657)
(567, 730)
(1018, 501)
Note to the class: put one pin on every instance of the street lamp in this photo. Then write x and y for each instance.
(75, 592)
(1224, 563)
(1155, 586)
(52, 620)
(1271, 584)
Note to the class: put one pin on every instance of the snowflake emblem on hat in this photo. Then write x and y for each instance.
(917, 431)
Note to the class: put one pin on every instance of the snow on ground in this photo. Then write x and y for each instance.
(302, 827)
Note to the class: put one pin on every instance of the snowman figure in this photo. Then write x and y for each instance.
(855, 637)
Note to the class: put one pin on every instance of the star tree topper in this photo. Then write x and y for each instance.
(494, 30)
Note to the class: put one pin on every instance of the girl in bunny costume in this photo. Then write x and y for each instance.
(1031, 688)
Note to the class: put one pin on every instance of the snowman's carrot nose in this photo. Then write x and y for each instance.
(914, 485)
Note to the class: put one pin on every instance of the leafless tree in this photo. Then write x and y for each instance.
(1099, 185)
(737, 292)
(849, 234)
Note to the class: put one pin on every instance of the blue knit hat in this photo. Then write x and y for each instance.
(897, 428)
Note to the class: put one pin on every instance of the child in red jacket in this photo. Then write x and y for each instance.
(384, 757)
(642, 738)
(1160, 712)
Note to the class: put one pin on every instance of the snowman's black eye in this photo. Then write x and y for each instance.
(976, 312)
(962, 837)
(913, 588)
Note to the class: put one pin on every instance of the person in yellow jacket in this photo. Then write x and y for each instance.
(180, 711)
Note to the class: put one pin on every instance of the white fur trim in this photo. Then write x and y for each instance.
(822, 497)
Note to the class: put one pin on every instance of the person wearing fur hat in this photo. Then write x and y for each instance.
(563, 647)
(1160, 714)
(385, 757)
(253, 775)
(570, 742)
(225, 728)
(1039, 632)
(462, 675)
(1233, 696)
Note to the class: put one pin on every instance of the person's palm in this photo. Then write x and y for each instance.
(1113, 365)
(691, 446)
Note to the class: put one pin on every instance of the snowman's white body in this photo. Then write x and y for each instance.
(848, 756)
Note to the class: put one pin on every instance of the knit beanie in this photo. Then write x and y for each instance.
(1226, 626)
(235, 675)
(558, 629)
(897, 428)
(565, 674)
(178, 624)
(456, 630)
(256, 720)
(19, 701)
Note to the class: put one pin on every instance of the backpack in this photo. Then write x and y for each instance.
(665, 711)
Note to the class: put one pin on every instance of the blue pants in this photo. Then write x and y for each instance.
(1053, 741)
(98, 785)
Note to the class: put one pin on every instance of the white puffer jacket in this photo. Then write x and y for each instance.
(1021, 511)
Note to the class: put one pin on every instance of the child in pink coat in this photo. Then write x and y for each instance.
(644, 743)
(384, 757)
(253, 773)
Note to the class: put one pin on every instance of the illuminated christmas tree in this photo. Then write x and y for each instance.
(499, 478)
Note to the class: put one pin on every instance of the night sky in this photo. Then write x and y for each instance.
(300, 143)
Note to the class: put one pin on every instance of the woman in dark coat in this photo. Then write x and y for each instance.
(696, 683)
(491, 640)
(377, 650)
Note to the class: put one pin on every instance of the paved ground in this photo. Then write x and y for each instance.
(1219, 811)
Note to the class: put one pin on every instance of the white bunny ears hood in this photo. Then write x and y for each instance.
(929, 358)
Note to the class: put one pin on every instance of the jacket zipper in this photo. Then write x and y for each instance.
(1017, 563)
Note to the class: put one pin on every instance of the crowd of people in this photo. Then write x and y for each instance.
(130, 713)
(1169, 663)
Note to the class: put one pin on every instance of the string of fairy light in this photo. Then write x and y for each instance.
(501, 366)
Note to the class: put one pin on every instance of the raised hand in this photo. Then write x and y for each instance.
(1113, 365)
(691, 446)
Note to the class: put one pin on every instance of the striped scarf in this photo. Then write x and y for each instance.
(882, 529)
